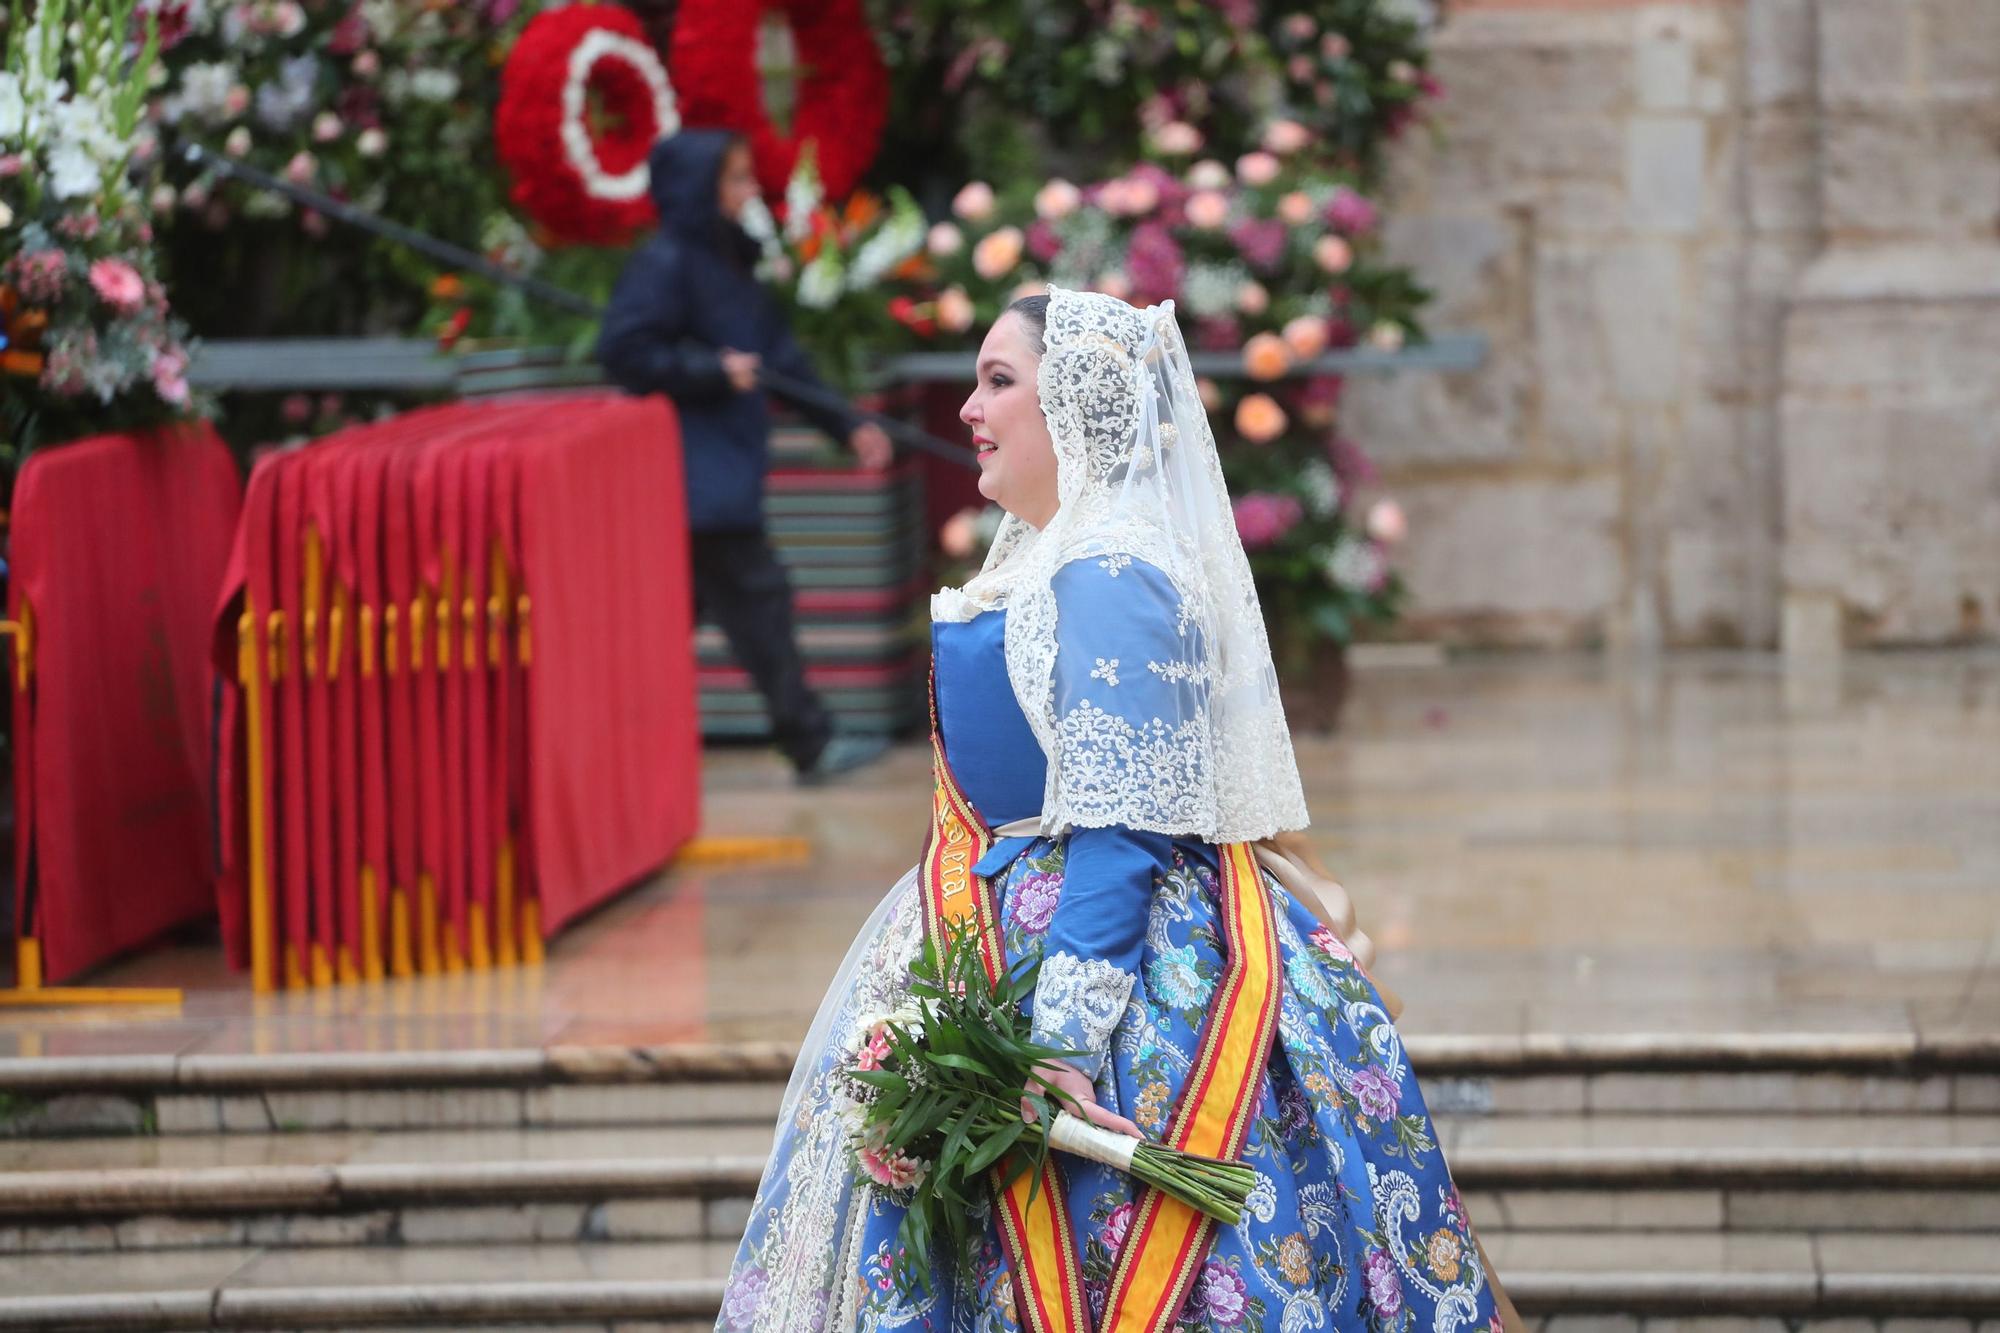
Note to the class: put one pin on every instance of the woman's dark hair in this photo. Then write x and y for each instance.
(1034, 312)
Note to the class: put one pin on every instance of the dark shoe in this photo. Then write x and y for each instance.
(843, 754)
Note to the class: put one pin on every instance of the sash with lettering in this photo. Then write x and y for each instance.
(1168, 1240)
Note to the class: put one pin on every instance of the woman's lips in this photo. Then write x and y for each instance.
(983, 445)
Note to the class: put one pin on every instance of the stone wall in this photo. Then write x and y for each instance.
(1704, 239)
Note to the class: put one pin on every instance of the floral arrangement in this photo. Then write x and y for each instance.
(1002, 82)
(1272, 258)
(831, 265)
(583, 98)
(87, 341)
(385, 103)
(937, 1093)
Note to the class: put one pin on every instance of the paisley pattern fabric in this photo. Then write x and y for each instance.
(1354, 1225)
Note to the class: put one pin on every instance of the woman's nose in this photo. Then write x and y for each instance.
(970, 413)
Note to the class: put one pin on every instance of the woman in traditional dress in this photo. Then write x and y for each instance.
(1115, 781)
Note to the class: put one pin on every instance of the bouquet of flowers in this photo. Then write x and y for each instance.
(938, 1092)
(86, 340)
(829, 263)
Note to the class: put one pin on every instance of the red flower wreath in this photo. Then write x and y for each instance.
(585, 182)
(843, 97)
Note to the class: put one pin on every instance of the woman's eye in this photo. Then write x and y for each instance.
(1001, 381)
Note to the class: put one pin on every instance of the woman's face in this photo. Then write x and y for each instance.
(1017, 459)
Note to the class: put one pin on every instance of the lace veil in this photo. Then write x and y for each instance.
(1139, 479)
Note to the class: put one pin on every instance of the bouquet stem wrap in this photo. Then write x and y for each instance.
(1080, 1138)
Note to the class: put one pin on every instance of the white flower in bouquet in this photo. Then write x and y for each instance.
(1356, 565)
(756, 220)
(821, 283)
(73, 172)
(1386, 336)
(371, 142)
(896, 240)
(802, 199)
(1322, 488)
(13, 109)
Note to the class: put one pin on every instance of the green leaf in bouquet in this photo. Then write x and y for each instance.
(953, 1061)
(883, 1080)
(994, 1148)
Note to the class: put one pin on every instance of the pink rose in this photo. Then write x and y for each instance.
(1114, 283)
(118, 285)
(1333, 254)
(367, 64)
(300, 170)
(1207, 209)
(1386, 523)
(1300, 27)
(236, 101)
(954, 310)
(1177, 138)
(1263, 518)
(975, 202)
(1285, 137)
(1295, 209)
(296, 409)
(960, 534)
(1043, 241)
(1334, 46)
(944, 240)
(998, 254)
(326, 127)
(1306, 336)
(1057, 200)
(1252, 298)
(1301, 68)
(170, 377)
(1257, 169)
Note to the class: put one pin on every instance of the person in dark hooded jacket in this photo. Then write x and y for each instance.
(688, 319)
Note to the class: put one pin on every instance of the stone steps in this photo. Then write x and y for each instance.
(608, 1086)
(1704, 1284)
(1680, 1186)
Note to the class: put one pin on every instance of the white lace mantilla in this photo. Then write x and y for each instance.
(1139, 480)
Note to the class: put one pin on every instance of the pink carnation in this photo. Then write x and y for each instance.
(118, 284)
(40, 275)
(1261, 242)
(1263, 518)
(170, 377)
(1043, 242)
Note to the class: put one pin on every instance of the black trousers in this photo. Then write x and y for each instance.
(739, 584)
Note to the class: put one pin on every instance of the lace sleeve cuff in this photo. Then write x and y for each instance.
(1078, 1002)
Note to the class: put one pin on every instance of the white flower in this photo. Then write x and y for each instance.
(898, 239)
(802, 198)
(820, 284)
(13, 108)
(1356, 565)
(1386, 336)
(434, 85)
(1209, 289)
(371, 142)
(326, 127)
(756, 219)
(73, 172)
(6, 215)
(238, 142)
(1322, 488)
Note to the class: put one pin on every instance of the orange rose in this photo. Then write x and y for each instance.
(1306, 337)
(1259, 419)
(997, 255)
(1265, 357)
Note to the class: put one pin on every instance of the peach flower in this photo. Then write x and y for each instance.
(954, 310)
(1386, 523)
(1252, 298)
(1257, 168)
(1333, 254)
(1057, 199)
(1306, 336)
(1285, 137)
(1265, 357)
(1208, 209)
(1296, 208)
(1177, 138)
(974, 203)
(997, 255)
(1259, 419)
(945, 240)
(1114, 283)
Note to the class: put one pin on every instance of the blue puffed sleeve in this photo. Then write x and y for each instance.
(1122, 702)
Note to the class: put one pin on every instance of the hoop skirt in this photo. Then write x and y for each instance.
(1354, 1223)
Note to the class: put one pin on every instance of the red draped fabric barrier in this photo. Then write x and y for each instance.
(464, 704)
(117, 546)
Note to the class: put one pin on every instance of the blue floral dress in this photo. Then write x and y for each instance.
(1354, 1223)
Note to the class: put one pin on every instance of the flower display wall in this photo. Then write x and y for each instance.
(87, 340)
